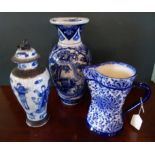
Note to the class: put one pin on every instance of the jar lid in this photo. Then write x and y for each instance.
(25, 53)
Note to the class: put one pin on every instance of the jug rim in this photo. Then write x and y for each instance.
(114, 62)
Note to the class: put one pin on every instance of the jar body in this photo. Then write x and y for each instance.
(32, 94)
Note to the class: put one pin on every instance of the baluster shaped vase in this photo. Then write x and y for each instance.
(67, 59)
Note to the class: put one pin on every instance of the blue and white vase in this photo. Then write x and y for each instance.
(31, 84)
(109, 85)
(68, 58)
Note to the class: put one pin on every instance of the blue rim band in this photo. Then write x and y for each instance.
(104, 134)
(108, 86)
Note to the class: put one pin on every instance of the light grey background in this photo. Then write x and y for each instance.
(127, 37)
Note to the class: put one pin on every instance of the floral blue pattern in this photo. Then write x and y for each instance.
(107, 98)
(107, 103)
(66, 66)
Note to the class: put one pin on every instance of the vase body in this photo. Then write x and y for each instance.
(31, 85)
(67, 60)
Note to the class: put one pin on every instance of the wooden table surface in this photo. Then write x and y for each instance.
(68, 123)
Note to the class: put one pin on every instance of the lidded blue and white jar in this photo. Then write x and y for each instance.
(68, 58)
(31, 84)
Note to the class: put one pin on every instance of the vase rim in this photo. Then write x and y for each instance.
(69, 20)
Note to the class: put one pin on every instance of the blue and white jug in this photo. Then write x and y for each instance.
(31, 84)
(68, 58)
(109, 84)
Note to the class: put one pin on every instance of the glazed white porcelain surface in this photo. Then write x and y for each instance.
(32, 94)
(26, 55)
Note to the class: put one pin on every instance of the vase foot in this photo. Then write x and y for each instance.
(70, 100)
(69, 104)
(37, 123)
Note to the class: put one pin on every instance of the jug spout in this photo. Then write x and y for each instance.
(92, 76)
(89, 73)
(94, 80)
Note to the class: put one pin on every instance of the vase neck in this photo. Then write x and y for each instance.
(69, 34)
(28, 66)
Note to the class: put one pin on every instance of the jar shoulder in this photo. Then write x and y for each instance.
(42, 77)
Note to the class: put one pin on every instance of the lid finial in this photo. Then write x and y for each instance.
(25, 53)
(24, 45)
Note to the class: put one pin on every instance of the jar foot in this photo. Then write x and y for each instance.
(37, 123)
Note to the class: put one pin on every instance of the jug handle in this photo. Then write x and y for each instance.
(146, 96)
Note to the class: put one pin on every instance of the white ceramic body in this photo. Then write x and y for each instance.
(32, 94)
